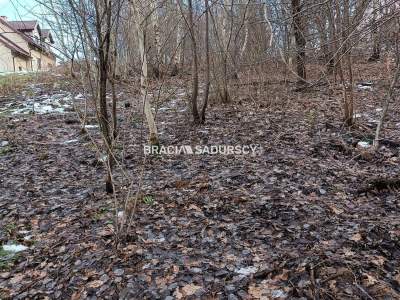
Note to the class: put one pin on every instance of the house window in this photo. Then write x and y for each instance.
(39, 64)
(20, 68)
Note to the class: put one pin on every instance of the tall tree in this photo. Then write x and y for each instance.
(195, 61)
(207, 79)
(376, 38)
(299, 34)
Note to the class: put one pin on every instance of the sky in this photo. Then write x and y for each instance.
(21, 9)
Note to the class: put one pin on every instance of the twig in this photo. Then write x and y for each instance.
(364, 291)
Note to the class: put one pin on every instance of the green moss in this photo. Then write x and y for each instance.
(5, 150)
(44, 156)
(5, 113)
(136, 120)
(10, 229)
(7, 259)
(100, 214)
(148, 199)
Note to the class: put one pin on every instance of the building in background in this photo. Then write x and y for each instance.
(24, 46)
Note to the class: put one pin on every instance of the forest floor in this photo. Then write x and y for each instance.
(298, 221)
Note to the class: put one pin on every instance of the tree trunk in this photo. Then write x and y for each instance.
(207, 46)
(195, 71)
(323, 37)
(141, 28)
(180, 44)
(104, 40)
(347, 53)
(224, 92)
(156, 28)
(299, 35)
(144, 88)
(389, 98)
(157, 42)
(331, 68)
(376, 49)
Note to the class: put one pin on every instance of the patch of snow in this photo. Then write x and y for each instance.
(21, 111)
(4, 143)
(379, 109)
(367, 83)
(91, 126)
(159, 240)
(43, 104)
(71, 141)
(364, 145)
(14, 248)
(28, 237)
(79, 97)
(67, 98)
(364, 87)
(278, 294)
(16, 73)
(146, 266)
(39, 108)
(103, 158)
(173, 105)
(246, 270)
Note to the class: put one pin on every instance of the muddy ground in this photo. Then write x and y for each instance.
(298, 221)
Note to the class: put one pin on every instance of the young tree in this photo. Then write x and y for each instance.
(141, 26)
(98, 34)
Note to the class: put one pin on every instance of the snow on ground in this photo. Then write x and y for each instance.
(177, 103)
(14, 248)
(60, 102)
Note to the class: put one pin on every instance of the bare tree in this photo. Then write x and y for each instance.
(299, 34)
(141, 25)
(376, 37)
(195, 61)
(389, 97)
(207, 79)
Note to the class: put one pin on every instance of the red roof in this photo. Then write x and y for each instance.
(23, 25)
(26, 37)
